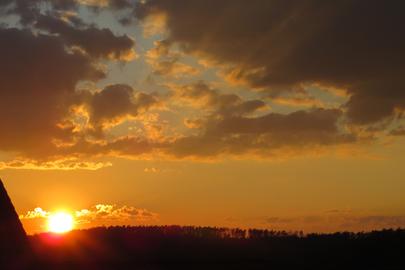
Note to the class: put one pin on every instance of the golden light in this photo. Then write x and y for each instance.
(60, 222)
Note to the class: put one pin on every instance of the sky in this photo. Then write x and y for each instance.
(284, 115)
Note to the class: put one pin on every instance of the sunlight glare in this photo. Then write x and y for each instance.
(60, 222)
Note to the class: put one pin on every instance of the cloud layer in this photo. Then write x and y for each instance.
(58, 105)
(275, 46)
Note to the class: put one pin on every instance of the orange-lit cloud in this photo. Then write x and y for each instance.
(60, 164)
(110, 213)
(298, 101)
(202, 96)
(36, 213)
(165, 62)
(97, 215)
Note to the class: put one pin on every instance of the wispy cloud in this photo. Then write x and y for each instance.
(63, 164)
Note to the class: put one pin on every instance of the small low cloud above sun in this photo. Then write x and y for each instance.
(60, 222)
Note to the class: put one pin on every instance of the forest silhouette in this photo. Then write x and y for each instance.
(189, 247)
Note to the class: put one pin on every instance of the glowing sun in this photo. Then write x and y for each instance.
(60, 222)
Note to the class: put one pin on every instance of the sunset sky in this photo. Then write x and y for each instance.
(275, 114)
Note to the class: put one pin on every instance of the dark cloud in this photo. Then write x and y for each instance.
(39, 80)
(233, 126)
(264, 135)
(275, 45)
(60, 17)
(121, 4)
(96, 42)
(28, 11)
(202, 96)
(42, 62)
(36, 88)
(114, 103)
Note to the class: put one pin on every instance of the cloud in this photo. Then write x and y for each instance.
(59, 164)
(399, 131)
(303, 100)
(35, 220)
(97, 3)
(234, 126)
(165, 62)
(125, 146)
(98, 43)
(38, 93)
(336, 221)
(278, 49)
(265, 135)
(28, 11)
(228, 126)
(111, 213)
(37, 89)
(115, 103)
(41, 108)
(274, 46)
(202, 96)
(38, 212)
(152, 170)
(116, 4)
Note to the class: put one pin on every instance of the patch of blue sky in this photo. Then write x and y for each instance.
(136, 73)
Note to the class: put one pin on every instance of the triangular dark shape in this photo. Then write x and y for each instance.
(13, 239)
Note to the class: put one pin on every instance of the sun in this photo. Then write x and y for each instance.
(60, 222)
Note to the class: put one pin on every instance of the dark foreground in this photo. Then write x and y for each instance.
(173, 247)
